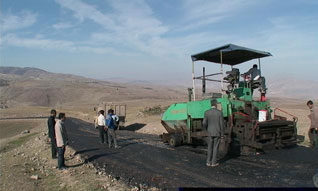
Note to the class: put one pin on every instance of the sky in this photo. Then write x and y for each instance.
(153, 40)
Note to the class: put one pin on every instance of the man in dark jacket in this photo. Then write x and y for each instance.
(254, 72)
(51, 125)
(213, 123)
(110, 122)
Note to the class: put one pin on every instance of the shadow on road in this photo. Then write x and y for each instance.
(134, 127)
(139, 162)
(86, 150)
(94, 157)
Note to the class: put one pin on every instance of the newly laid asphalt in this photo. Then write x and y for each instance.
(144, 159)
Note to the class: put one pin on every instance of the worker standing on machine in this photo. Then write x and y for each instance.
(213, 123)
(313, 129)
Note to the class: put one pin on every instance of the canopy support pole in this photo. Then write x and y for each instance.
(193, 85)
(203, 82)
(221, 70)
(259, 66)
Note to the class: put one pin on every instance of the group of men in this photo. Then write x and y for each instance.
(107, 127)
(58, 137)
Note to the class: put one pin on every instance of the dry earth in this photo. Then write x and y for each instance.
(26, 165)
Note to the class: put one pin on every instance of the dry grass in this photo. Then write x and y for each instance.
(14, 127)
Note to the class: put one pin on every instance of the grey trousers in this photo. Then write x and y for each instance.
(213, 146)
(112, 136)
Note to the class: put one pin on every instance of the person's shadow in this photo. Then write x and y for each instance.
(134, 127)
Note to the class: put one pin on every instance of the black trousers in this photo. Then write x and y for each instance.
(313, 137)
(61, 160)
(53, 148)
(103, 134)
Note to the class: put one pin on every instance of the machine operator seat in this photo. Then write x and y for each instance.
(233, 76)
(260, 83)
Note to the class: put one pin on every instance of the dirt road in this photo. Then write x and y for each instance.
(143, 159)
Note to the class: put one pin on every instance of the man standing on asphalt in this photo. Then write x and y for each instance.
(51, 128)
(313, 129)
(96, 120)
(213, 123)
(101, 127)
(61, 140)
(110, 122)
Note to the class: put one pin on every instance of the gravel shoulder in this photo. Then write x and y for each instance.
(28, 166)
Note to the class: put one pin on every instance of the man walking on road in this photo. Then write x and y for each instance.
(313, 129)
(213, 123)
(51, 128)
(61, 140)
(101, 127)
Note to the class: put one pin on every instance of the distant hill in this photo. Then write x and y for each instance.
(292, 87)
(28, 72)
(32, 86)
(283, 86)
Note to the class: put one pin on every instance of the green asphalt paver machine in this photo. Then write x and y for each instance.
(250, 125)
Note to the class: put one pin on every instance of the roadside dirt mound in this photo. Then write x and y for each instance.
(153, 127)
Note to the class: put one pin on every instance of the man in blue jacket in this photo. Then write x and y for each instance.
(110, 123)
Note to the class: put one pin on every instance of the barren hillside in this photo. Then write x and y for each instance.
(31, 86)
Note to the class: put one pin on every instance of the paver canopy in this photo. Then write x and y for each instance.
(231, 55)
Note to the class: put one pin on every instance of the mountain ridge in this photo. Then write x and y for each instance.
(34, 86)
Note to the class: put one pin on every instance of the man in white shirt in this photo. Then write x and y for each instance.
(101, 127)
(313, 129)
(61, 140)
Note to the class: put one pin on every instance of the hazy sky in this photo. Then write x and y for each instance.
(153, 39)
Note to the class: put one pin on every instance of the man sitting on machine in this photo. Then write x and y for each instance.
(253, 73)
(254, 76)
